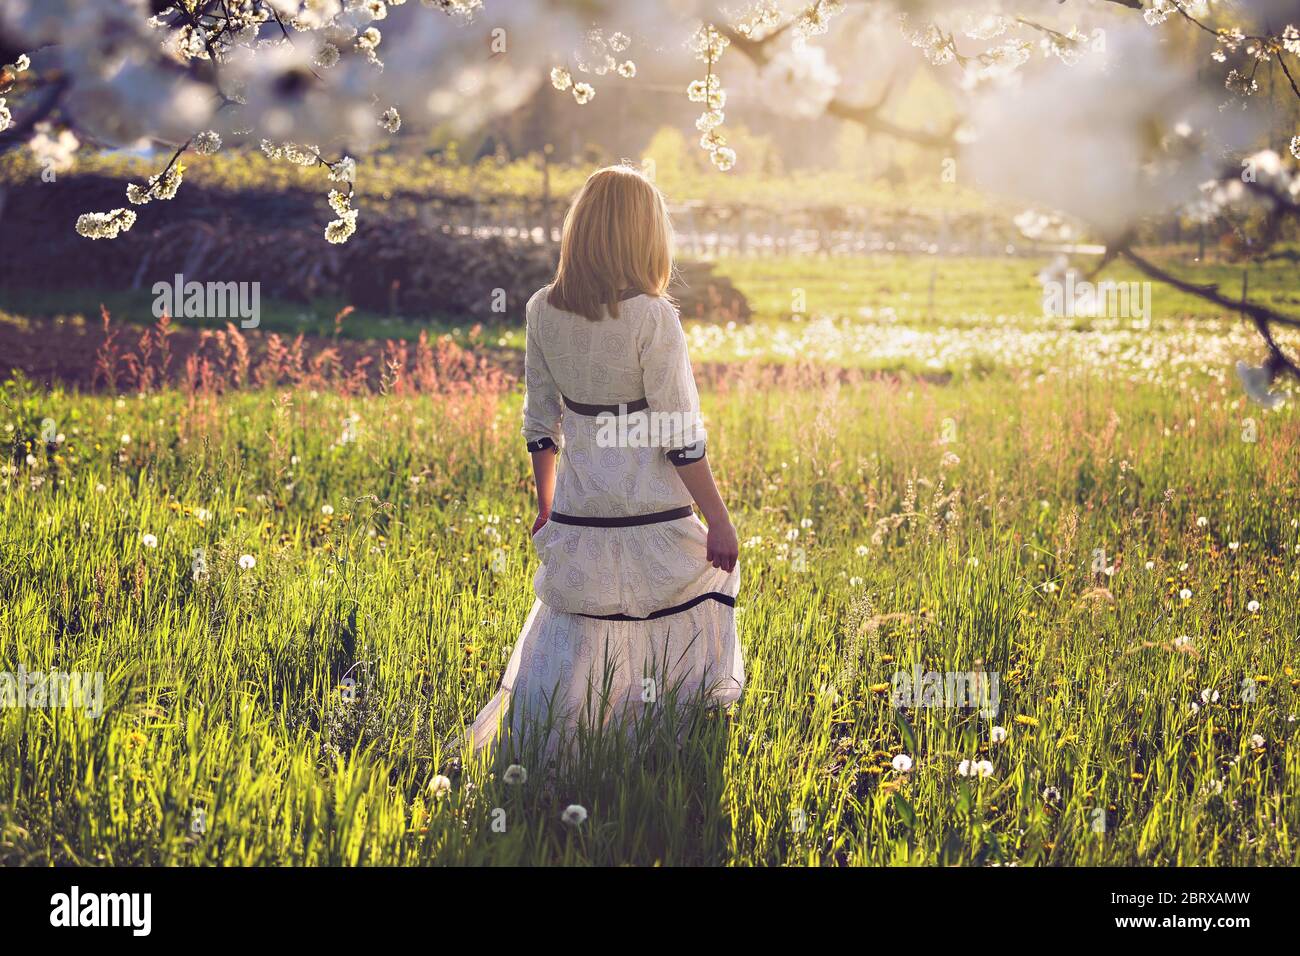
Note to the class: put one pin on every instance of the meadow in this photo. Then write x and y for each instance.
(299, 598)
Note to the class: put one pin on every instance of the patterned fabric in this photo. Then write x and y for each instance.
(642, 353)
(591, 572)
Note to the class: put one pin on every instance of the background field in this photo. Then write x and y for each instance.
(916, 484)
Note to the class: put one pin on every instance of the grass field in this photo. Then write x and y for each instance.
(915, 314)
(1123, 554)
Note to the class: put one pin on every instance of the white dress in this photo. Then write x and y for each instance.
(628, 608)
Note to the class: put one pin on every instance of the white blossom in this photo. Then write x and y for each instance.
(345, 170)
(1256, 379)
(206, 143)
(105, 225)
(798, 82)
(340, 230)
(55, 153)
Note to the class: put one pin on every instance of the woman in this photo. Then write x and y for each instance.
(635, 597)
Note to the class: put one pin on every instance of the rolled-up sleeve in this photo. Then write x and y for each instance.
(670, 386)
(542, 407)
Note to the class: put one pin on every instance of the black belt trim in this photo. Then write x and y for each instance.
(718, 596)
(622, 408)
(542, 444)
(686, 456)
(623, 521)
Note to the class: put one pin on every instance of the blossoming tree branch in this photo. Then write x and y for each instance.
(1102, 116)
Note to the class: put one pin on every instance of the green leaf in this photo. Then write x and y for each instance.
(905, 811)
(964, 802)
(909, 735)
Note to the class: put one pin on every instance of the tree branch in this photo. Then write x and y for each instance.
(1262, 316)
(869, 117)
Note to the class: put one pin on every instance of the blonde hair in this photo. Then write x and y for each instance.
(617, 238)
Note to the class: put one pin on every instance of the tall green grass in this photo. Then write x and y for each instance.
(305, 705)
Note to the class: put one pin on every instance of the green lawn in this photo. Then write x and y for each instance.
(972, 291)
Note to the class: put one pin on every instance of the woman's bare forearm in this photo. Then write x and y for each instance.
(544, 479)
(698, 479)
(721, 548)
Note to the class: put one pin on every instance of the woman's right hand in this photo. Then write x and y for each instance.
(541, 520)
(723, 547)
